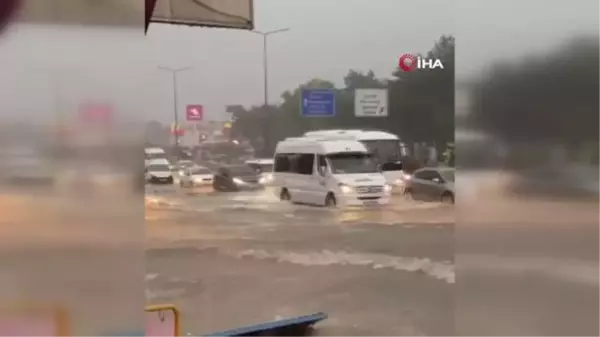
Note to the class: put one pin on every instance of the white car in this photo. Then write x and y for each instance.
(196, 176)
(182, 165)
(29, 170)
(158, 172)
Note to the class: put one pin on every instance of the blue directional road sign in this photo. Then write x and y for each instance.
(318, 103)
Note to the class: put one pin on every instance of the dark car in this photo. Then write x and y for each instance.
(432, 184)
(236, 178)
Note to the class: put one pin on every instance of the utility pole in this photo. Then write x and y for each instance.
(174, 72)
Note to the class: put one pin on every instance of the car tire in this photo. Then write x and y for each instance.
(408, 194)
(285, 195)
(330, 200)
(447, 198)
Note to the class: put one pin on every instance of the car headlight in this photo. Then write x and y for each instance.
(181, 172)
(346, 189)
(269, 177)
(238, 181)
(387, 188)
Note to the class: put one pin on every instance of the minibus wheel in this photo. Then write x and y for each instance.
(330, 200)
(284, 195)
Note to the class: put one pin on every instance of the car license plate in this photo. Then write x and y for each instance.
(370, 202)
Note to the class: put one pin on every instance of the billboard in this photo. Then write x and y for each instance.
(194, 113)
(83, 12)
(237, 14)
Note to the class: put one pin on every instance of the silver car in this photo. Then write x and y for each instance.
(432, 184)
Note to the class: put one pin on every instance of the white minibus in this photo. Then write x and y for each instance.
(328, 173)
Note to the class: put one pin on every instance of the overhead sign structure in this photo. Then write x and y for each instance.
(194, 113)
(371, 102)
(318, 103)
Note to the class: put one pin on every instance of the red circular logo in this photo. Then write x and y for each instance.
(407, 62)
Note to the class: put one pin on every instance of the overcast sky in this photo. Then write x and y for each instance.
(326, 39)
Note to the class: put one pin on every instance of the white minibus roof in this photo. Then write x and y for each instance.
(318, 146)
(352, 134)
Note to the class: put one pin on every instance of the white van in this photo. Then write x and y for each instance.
(153, 153)
(328, 172)
(264, 167)
(387, 149)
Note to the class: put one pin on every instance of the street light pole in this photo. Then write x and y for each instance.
(265, 72)
(265, 61)
(174, 72)
(266, 79)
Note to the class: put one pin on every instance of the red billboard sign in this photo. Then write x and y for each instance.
(194, 113)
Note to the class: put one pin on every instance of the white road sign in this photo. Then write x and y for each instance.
(371, 102)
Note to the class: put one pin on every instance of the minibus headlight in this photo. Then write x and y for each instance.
(346, 189)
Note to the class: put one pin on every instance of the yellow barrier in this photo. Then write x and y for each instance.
(164, 307)
(34, 318)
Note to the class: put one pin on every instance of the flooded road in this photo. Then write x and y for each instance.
(235, 259)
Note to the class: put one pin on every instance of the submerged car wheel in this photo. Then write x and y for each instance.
(407, 194)
(448, 198)
(285, 195)
(330, 200)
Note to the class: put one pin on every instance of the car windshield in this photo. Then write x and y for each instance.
(200, 170)
(352, 162)
(158, 168)
(387, 150)
(242, 170)
(448, 175)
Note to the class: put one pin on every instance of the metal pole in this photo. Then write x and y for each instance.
(266, 71)
(175, 100)
(175, 117)
(266, 126)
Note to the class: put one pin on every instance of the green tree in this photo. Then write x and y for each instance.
(547, 99)
(422, 101)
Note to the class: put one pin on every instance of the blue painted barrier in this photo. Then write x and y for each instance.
(296, 326)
